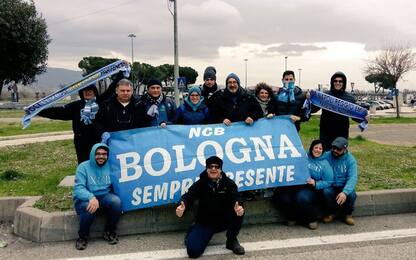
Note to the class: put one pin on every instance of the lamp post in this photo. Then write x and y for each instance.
(352, 87)
(246, 71)
(285, 63)
(132, 36)
(299, 75)
(175, 46)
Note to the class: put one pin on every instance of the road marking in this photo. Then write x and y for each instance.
(267, 245)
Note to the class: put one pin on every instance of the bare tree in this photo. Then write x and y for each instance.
(392, 63)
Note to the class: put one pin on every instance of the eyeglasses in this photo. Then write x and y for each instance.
(213, 166)
(338, 81)
(336, 148)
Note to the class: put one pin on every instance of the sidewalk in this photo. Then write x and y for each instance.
(35, 138)
(391, 134)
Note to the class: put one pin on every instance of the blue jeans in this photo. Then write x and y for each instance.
(309, 201)
(109, 203)
(200, 234)
(331, 204)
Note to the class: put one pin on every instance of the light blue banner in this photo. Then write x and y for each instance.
(155, 166)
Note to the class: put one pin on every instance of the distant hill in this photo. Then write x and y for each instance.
(55, 78)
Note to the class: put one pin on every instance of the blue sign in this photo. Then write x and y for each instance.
(182, 83)
(155, 166)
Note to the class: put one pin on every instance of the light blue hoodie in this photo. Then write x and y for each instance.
(345, 171)
(90, 179)
(321, 172)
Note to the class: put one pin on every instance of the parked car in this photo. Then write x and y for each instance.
(389, 102)
(364, 104)
(384, 104)
(376, 104)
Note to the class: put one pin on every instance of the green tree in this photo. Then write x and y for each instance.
(391, 64)
(189, 73)
(380, 81)
(23, 42)
(91, 64)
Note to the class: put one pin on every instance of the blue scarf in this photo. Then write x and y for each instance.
(336, 105)
(153, 110)
(287, 93)
(89, 111)
(192, 105)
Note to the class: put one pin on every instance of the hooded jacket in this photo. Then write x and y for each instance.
(321, 171)
(345, 171)
(215, 200)
(334, 124)
(90, 179)
(85, 136)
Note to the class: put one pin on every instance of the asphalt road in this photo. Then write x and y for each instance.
(377, 237)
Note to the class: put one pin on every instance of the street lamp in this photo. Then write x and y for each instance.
(299, 75)
(246, 71)
(352, 87)
(285, 63)
(175, 46)
(132, 36)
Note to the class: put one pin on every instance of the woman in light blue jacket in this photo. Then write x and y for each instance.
(322, 177)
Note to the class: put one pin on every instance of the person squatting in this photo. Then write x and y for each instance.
(329, 192)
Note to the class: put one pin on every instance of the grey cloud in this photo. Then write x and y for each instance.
(204, 26)
(293, 49)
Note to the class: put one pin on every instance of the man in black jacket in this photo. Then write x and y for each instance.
(333, 125)
(219, 209)
(210, 84)
(83, 115)
(234, 104)
(119, 112)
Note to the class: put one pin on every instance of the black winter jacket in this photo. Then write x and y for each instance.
(214, 200)
(222, 106)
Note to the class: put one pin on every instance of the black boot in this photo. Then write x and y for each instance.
(234, 245)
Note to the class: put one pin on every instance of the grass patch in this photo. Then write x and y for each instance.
(15, 128)
(37, 169)
(42, 166)
(11, 113)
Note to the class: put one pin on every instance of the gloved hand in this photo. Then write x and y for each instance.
(104, 137)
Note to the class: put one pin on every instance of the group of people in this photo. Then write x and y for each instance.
(332, 167)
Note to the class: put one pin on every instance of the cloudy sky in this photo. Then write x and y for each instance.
(319, 37)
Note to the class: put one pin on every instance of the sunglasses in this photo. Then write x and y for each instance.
(101, 154)
(338, 81)
(213, 166)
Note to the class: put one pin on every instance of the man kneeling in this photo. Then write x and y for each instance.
(219, 209)
(92, 194)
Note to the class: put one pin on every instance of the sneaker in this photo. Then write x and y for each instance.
(234, 245)
(81, 243)
(111, 237)
(349, 220)
(329, 219)
(313, 225)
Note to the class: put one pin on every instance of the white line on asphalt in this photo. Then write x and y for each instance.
(267, 245)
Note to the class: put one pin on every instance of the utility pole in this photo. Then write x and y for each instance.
(176, 59)
(132, 36)
(246, 71)
(285, 63)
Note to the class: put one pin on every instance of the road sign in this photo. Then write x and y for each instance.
(182, 83)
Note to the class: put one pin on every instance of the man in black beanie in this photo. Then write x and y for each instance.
(210, 83)
(219, 209)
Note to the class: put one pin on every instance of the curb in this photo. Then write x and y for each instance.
(41, 226)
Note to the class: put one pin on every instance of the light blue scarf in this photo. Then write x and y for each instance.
(89, 111)
(288, 90)
(192, 105)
